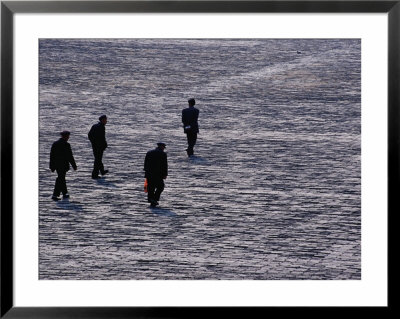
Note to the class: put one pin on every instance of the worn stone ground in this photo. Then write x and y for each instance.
(272, 193)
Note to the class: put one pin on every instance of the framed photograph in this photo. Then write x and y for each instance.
(175, 158)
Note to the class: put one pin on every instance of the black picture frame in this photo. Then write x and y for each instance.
(9, 8)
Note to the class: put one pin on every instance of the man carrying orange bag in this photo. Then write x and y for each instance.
(156, 170)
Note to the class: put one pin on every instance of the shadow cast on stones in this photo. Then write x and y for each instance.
(163, 212)
(198, 160)
(68, 205)
(104, 182)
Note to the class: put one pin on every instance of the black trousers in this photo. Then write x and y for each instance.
(191, 139)
(98, 162)
(155, 186)
(61, 183)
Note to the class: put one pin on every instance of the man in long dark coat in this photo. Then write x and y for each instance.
(60, 159)
(97, 136)
(156, 170)
(190, 116)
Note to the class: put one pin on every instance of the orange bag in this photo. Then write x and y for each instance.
(145, 185)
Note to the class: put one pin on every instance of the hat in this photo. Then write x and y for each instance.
(161, 144)
(65, 133)
(102, 117)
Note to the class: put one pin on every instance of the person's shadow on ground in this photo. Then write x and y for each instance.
(198, 160)
(66, 204)
(162, 211)
(104, 182)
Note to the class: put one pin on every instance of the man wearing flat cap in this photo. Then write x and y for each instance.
(97, 137)
(60, 159)
(156, 170)
(190, 116)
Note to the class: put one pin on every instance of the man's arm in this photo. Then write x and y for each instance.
(103, 137)
(165, 166)
(146, 164)
(52, 159)
(71, 158)
(91, 135)
(183, 117)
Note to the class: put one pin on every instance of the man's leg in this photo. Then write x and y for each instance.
(95, 172)
(61, 184)
(101, 166)
(57, 190)
(191, 137)
(188, 141)
(159, 189)
(63, 181)
(98, 164)
(150, 190)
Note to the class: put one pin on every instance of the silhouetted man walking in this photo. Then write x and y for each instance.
(60, 158)
(97, 136)
(156, 170)
(190, 116)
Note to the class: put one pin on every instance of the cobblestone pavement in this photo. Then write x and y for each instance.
(274, 188)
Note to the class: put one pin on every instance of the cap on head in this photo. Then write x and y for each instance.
(160, 144)
(102, 117)
(65, 133)
(192, 101)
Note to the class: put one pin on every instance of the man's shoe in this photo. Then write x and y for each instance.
(96, 177)
(65, 196)
(105, 172)
(55, 198)
(153, 203)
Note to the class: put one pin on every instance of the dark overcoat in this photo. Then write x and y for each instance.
(190, 116)
(61, 156)
(97, 136)
(156, 164)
